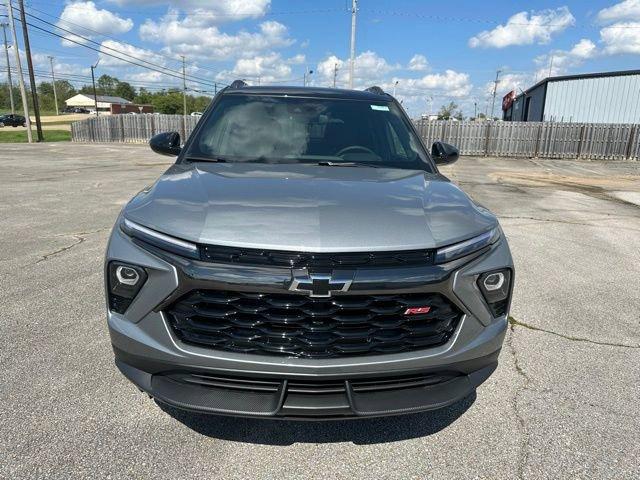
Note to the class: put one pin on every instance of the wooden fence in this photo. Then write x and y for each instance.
(494, 139)
(130, 128)
(536, 139)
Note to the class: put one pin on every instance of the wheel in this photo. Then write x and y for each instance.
(1, 124)
(24, 124)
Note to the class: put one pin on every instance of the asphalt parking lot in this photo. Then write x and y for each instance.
(562, 404)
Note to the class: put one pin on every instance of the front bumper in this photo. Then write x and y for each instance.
(150, 355)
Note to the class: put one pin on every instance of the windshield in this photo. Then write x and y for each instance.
(281, 129)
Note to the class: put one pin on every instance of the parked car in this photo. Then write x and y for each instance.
(196, 114)
(304, 258)
(11, 120)
(75, 110)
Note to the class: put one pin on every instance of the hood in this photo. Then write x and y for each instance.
(308, 207)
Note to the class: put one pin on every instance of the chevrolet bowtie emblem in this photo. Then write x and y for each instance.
(321, 285)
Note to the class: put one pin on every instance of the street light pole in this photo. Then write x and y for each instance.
(307, 73)
(6, 52)
(352, 57)
(53, 82)
(495, 89)
(93, 81)
(23, 91)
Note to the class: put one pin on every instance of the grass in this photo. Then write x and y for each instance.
(21, 137)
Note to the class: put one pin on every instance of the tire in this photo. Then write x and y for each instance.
(1, 124)
(24, 124)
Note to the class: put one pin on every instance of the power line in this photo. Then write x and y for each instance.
(59, 19)
(173, 73)
(169, 73)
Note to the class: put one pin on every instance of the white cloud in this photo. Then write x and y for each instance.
(212, 12)
(448, 84)
(558, 62)
(508, 82)
(87, 14)
(418, 63)
(263, 69)
(122, 50)
(626, 10)
(622, 37)
(525, 28)
(369, 69)
(193, 37)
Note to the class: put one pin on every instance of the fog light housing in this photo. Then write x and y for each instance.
(124, 282)
(496, 290)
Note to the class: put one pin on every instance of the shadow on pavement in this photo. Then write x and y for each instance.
(287, 432)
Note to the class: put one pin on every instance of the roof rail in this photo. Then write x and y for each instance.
(238, 84)
(375, 90)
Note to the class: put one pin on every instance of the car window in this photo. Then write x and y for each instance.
(282, 129)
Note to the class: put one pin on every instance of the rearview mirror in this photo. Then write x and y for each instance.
(167, 143)
(443, 153)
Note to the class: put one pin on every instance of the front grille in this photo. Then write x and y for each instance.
(313, 386)
(403, 258)
(300, 326)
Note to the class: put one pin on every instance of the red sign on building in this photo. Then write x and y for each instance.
(507, 100)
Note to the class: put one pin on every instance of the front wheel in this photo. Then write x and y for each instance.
(24, 124)
(1, 124)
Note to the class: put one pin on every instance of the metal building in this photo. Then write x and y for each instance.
(609, 97)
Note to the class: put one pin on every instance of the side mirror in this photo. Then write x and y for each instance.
(443, 153)
(167, 143)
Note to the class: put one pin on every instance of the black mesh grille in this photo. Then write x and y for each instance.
(300, 326)
(214, 253)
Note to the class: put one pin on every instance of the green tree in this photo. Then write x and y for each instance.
(106, 85)
(450, 111)
(168, 102)
(124, 90)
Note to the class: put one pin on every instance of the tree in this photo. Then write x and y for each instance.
(168, 102)
(124, 90)
(46, 98)
(106, 85)
(450, 111)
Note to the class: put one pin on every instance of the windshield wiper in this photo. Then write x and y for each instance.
(346, 164)
(199, 158)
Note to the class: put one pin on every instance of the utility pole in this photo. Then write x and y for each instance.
(23, 91)
(6, 52)
(352, 57)
(394, 88)
(550, 65)
(184, 87)
(475, 110)
(93, 81)
(53, 81)
(32, 78)
(495, 90)
(335, 74)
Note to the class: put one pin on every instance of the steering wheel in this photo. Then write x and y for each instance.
(355, 147)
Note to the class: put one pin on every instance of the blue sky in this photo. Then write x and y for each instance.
(437, 51)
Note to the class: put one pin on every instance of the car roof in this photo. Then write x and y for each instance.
(309, 92)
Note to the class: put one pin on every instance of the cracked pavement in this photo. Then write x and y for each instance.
(563, 402)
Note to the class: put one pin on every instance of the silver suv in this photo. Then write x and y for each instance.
(304, 258)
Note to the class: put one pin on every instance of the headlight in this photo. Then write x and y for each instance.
(496, 287)
(458, 250)
(160, 240)
(124, 283)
